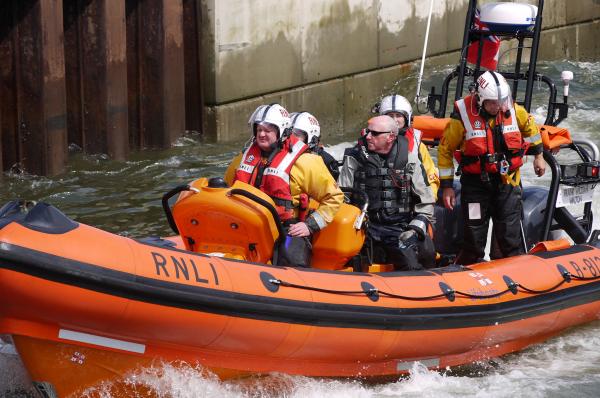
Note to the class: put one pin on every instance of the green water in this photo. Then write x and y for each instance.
(125, 198)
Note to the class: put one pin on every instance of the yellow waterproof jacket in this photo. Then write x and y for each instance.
(308, 175)
(454, 138)
(430, 169)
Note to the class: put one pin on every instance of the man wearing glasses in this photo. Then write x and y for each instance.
(401, 200)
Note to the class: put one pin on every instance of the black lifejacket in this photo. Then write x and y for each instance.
(330, 162)
(387, 182)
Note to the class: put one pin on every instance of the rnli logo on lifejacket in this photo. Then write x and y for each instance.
(250, 159)
(483, 281)
(477, 124)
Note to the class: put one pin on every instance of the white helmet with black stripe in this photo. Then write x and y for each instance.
(305, 123)
(396, 103)
(493, 86)
(273, 114)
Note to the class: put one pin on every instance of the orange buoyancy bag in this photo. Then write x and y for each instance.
(479, 141)
(553, 137)
(431, 127)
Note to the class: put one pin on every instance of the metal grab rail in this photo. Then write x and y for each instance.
(584, 142)
(167, 208)
(564, 215)
(437, 103)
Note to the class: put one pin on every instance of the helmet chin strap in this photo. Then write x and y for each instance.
(314, 142)
(284, 136)
(477, 107)
(406, 119)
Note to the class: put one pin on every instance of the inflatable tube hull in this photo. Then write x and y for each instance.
(85, 306)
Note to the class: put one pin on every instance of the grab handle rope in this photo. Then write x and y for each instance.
(513, 287)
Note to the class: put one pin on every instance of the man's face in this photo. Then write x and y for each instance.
(266, 136)
(378, 140)
(491, 106)
(398, 117)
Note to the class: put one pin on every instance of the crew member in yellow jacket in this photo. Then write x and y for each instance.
(491, 132)
(277, 163)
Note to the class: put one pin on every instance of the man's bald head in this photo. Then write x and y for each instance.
(383, 123)
(382, 131)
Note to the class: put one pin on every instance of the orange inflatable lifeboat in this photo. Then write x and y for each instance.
(84, 306)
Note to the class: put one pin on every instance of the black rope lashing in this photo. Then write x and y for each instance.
(513, 287)
(424, 298)
(318, 289)
(533, 291)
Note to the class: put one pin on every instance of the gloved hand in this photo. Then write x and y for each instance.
(408, 236)
(414, 265)
(402, 251)
(409, 252)
(420, 224)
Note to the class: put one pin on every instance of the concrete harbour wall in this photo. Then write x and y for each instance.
(112, 77)
(335, 58)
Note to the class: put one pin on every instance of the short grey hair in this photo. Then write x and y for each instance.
(384, 123)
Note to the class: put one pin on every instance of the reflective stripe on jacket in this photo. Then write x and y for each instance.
(480, 140)
(432, 172)
(310, 176)
(453, 139)
(273, 176)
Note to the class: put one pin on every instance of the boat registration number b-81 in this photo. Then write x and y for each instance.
(587, 267)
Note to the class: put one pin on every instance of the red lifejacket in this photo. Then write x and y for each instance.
(275, 179)
(479, 140)
(414, 138)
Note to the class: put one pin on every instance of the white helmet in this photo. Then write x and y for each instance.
(493, 86)
(396, 103)
(307, 123)
(273, 114)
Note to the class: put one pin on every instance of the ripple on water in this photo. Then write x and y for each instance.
(124, 198)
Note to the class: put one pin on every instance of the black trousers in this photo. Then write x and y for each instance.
(387, 248)
(481, 201)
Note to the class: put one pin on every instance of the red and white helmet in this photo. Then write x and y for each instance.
(396, 103)
(493, 86)
(273, 114)
(308, 124)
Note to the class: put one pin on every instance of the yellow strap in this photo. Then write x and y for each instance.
(513, 179)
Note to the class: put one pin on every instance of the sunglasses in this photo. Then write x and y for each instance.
(375, 133)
